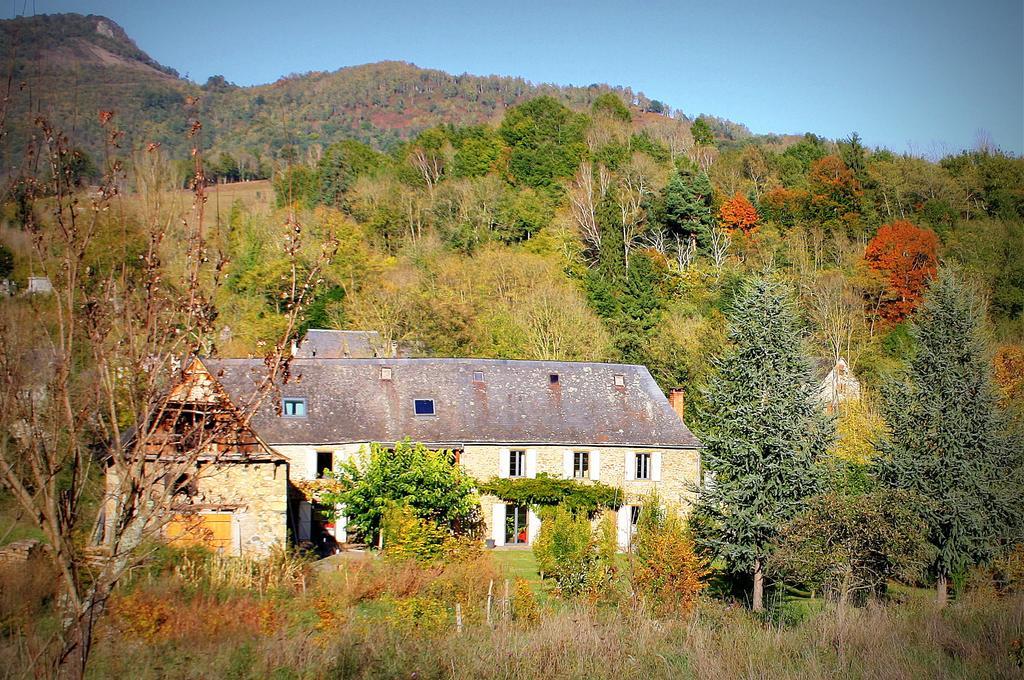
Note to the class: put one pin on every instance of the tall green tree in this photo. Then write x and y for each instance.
(688, 205)
(763, 431)
(546, 141)
(950, 439)
(428, 482)
(341, 165)
(701, 132)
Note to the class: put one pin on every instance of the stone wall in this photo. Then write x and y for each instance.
(253, 494)
(680, 470)
(259, 492)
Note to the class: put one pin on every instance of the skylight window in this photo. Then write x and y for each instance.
(553, 378)
(620, 380)
(293, 407)
(423, 407)
(385, 373)
(478, 376)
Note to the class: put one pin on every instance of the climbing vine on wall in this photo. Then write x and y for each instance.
(545, 490)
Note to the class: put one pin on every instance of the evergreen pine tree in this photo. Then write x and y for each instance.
(950, 440)
(688, 205)
(763, 431)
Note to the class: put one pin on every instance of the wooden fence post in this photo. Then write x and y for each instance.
(490, 596)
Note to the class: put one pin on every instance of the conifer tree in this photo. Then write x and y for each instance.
(950, 440)
(763, 431)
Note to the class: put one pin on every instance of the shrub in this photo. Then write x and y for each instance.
(849, 546)
(407, 536)
(524, 603)
(666, 571)
(420, 613)
(429, 482)
(567, 552)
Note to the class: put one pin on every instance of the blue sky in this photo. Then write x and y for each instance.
(918, 76)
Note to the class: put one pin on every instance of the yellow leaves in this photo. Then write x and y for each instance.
(858, 427)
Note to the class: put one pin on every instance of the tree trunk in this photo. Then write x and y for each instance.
(758, 599)
(942, 590)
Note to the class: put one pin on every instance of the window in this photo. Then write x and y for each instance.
(553, 378)
(643, 466)
(517, 463)
(478, 376)
(634, 516)
(185, 485)
(324, 463)
(580, 464)
(620, 380)
(423, 407)
(385, 373)
(516, 524)
(293, 407)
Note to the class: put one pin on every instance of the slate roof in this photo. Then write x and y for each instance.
(334, 344)
(514, 403)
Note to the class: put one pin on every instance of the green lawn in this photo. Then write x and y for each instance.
(521, 564)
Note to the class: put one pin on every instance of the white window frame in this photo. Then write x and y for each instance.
(433, 407)
(647, 469)
(580, 471)
(518, 470)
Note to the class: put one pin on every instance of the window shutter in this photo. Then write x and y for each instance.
(310, 465)
(305, 521)
(630, 466)
(624, 526)
(656, 465)
(567, 463)
(498, 523)
(503, 463)
(595, 465)
(341, 524)
(532, 526)
(531, 463)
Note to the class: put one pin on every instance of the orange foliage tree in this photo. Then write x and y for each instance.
(739, 213)
(907, 255)
(784, 206)
(836, 190)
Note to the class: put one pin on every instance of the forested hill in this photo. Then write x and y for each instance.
(69, 67)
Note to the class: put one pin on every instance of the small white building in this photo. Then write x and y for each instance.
(838, 385)
(39, 285)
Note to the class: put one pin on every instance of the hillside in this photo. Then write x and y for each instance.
(69, 67)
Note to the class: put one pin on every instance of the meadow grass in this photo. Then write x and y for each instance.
(379, 618)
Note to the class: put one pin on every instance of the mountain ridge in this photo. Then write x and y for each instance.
(71, 66)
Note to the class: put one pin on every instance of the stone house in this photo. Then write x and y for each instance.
(501, 418)
(231, 494)
(837, 384)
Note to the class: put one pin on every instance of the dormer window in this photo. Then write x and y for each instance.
(385, 373)
(553, 378)
(293, 407)
(620, 380)
(423, 407)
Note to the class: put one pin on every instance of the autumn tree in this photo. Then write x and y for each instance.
(835, 190)
(739, 213)
(908, 256)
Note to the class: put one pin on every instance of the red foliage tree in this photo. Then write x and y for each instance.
(835, 189)
(739, 213)
(907, 256)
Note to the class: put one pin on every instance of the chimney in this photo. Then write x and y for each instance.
(677, 400)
